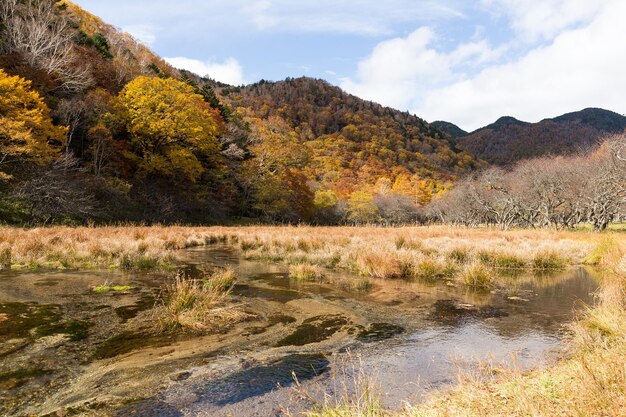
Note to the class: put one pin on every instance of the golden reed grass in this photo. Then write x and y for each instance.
(589, 381)
(429, 252)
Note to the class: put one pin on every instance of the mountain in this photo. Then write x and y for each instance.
(148, 142)
(360, 135)
(449, 128)
(509, 140)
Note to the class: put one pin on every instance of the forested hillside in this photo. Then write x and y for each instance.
(376, 160)
(112, 132)
(509, 140)
(449, 128)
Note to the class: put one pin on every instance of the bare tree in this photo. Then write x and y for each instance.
(44, 39)
(605, 185)
(395, 208)
(56, 192)
(556, 192)
(102, 150)
(72, 113)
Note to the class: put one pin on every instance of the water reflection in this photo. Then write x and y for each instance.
(413, 335)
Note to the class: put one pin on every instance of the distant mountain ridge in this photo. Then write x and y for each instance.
(508, 139)
(449, 128)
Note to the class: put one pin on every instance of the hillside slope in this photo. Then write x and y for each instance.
(509, 140)
(449, 128)
(350, 138)
(295, 150)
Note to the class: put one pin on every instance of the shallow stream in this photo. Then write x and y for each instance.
(64, 346)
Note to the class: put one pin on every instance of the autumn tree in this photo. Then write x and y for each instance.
(26, 129)
(328, 208)
(361, 208)
(45, 38)
(57, 191)
(173, 131)
(273, 177)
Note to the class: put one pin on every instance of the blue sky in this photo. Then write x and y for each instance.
(464, 61)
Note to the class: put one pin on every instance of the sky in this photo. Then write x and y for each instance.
(468, 62)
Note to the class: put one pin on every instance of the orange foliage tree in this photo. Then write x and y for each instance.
(26, 129)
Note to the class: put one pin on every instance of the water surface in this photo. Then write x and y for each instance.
(64, 346)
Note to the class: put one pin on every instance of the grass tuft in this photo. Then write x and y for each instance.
(304, 272)
(459, 255)
(548, 260)
(477, 276)
(380, 265)
(5, 257)
(198, 305)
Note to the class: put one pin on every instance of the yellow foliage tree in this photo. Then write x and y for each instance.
(361, 207)
(275, 174)
(26, 129)
(172, 129)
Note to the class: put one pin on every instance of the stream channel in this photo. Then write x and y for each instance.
(67, 350)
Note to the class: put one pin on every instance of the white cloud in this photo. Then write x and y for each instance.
(582, 66)
(362, 17)
(536, 20)
(229, 71)
(400, 69)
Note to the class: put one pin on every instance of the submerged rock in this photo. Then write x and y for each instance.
(314, 330)
(451, 313)
(379, 331)
(261, 379)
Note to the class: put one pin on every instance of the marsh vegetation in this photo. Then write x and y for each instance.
(235, 300)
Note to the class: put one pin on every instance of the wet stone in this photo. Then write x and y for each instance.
(48, 282)
(280, 319)
(274, 279)
(126, 313)
(181, 376)
(258, 380)
(126, 342)
(21, 318)
(149, 408)
(15, 379)
(451, 313)
(314, 330)
(75, 329)
(272, 294)
(272, 320)
(379, 331)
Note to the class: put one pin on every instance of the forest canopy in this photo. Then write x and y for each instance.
(112, 132)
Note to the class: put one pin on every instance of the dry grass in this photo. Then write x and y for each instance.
(429, 253)
(126, 247)
(591, 381)
(199, 305)
(353, 393)
(439, 252)
(477, 276)
(380, 265)
(304, 272)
